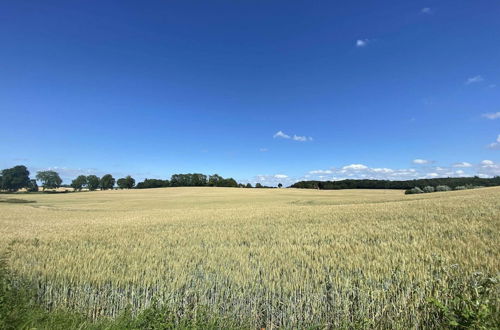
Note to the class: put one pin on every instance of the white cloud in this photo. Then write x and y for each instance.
(487, 162)
(280, 176)
(459, 172)
(462, 164)
(491, 116)
(283, 135)
(382, 170)
(361, 42)
(355, 167)
(426, 10)
(321, 172)
(263, 150)
(432, 175)
(421, 161)
(496, 144)
(475, 79)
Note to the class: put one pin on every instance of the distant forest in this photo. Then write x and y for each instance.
(407, 184)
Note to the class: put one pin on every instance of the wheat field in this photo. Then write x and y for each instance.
(265, 257)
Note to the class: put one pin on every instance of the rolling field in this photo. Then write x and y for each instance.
(262, 257)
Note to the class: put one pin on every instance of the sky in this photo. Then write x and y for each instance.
(261, 91)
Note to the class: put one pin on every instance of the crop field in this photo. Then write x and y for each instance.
(261, 257)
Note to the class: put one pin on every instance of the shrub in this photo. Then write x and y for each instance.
(469, 305)
(460, 188)
(429, 189)
(415, 190)
(443, 188)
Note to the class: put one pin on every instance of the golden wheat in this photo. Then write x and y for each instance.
(280, 257)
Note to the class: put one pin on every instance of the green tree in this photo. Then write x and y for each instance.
(32, 186)
(49, 179)
(92, 182)
(79, 182)
(107, 182)
(126, 183)
(215, 180)
(249, 185)
(258, 185)
(280, 185)
(15, 178)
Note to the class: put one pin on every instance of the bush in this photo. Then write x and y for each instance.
(443, 188)
(470, 305)
(429, 189)
(460, 188)
(415, 190)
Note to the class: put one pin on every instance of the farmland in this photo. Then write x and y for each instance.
(262, 257)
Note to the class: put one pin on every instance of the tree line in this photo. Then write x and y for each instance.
(18, 177)
(401, 184)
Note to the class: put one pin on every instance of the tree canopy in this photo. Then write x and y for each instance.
(49, 179)
(92, 182)
(79, 182)
(15, 178)
(107, 182)
(126, 183)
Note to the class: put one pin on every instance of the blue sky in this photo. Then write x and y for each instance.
(269, 91)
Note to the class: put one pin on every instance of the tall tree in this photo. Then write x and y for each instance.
(215, 180)
(107, 182)
(92, 182)
(15, 178)
(79, 182)
(280, 185)
(126, 183)
(32, 186)
(49, 179)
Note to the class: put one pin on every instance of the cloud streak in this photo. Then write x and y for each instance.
(474, 80)
(298, 138)
(491, 116)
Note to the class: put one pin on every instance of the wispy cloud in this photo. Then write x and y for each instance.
(426, 11)
(263, 150)
(419, 161)
(496, 144)
(362, 42)
(299, 138)
(355, 167)
(462, 164)
(474, 80)
(281, 176)
(493, 115)
(320, 172)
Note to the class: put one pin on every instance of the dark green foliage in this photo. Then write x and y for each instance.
(15, 178)
(79, 182)
(258, 185)
(153, 183)
(32, 186)
(126, 183)
(92, 182)
(415, 190)
(408, 184)
(188, 180)
(280, 185)
(470, 305)
(249, 185)
(49, 179)
(107, 182)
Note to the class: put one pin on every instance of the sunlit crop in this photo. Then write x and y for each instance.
(268, 257)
